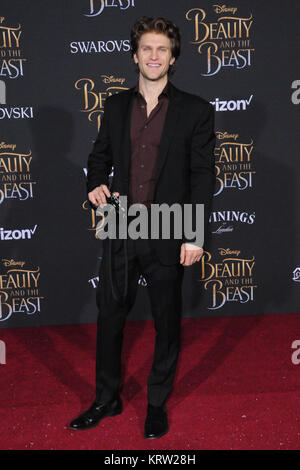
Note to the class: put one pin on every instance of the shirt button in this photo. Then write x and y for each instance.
(143, 146)
(146, 126)
(143, 106)
(142, 166)
(141, 186)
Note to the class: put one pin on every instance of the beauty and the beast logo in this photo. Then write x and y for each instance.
(93, 99)
(223, 41)
(93, 221)
(15, 176)
(11, 60)
(96, 7)
(230, 279)
(19, 289)
(92, 212)
(234, 167)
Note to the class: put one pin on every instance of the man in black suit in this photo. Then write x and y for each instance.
(160, 142)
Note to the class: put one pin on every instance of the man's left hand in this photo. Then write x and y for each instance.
(190, 254)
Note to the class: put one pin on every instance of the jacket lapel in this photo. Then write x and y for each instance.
(126, 142)
(169, 130)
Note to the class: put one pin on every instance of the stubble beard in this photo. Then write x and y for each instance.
(153, 79)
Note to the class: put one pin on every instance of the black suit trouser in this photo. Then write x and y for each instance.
(164, 285)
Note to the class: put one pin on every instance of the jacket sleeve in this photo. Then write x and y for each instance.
(100, 159)
(202, 169)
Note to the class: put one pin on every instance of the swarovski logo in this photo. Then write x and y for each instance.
(88, 47)
(17, 113)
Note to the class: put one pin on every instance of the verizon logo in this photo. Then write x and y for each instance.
(17, 234)
(231, 105)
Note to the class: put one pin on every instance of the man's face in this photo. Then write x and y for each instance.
(154, 56)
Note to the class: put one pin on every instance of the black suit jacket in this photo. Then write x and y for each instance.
(185, 171)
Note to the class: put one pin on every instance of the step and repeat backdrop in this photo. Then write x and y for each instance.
(59, 61)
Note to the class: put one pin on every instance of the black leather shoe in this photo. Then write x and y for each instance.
(95, 413)
(156, 424)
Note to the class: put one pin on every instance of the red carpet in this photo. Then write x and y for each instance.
(236, 387)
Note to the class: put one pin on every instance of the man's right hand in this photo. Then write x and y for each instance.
(98, 195)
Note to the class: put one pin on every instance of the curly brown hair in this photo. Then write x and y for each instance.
(145, 24)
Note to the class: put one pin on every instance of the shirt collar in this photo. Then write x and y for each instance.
(165, 92)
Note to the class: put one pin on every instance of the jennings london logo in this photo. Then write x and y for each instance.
(223, 40)
(227, 220)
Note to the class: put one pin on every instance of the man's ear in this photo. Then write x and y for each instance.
(135, 58)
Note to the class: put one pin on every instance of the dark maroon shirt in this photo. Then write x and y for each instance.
(145, 134)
